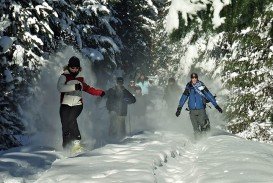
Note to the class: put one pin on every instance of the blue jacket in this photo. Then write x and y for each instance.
(197, 95)
(144, 87)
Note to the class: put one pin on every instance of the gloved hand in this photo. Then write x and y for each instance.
(178, 111)
(219, 109)
(78, 86)
(102, 94)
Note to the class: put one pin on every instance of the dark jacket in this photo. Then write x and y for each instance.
(118, 100)
(197, 95)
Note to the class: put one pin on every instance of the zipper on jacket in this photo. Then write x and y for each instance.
(195, 98)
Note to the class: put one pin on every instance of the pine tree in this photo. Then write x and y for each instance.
(40, 28)
(138, 18)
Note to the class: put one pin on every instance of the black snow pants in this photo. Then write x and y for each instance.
(70, 128)
(200, 121)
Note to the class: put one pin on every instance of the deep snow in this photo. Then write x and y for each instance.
(146, 157)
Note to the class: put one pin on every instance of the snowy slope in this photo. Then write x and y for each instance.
(220, 159)
(148, 157)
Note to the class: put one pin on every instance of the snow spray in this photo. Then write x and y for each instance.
(42, 112)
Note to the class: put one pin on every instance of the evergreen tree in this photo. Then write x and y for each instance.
(138, 22)
(39, 28)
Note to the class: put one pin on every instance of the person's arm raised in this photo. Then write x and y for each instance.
(92, 90)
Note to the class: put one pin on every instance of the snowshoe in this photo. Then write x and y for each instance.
(76, 147)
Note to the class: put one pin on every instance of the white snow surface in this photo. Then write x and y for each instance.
(146, 157)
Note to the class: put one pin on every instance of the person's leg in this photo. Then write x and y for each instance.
(118, 127)
(74, 129)
(204, 121)
(194, 122)
(112, 126)
(122, 127)
(64, 114)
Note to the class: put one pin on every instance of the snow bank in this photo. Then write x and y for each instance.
(23, 164)
(220, 158)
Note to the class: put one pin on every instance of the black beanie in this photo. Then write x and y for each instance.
(74, 62)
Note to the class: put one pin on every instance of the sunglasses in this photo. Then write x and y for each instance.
(74, 68)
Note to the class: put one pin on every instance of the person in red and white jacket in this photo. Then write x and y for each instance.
(70, 85)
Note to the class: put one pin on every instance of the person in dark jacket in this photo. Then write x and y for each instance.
(197, 95)
(117, 102)
(71, 85)
(171, 93)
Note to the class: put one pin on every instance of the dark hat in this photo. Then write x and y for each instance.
(120, 80)
(74, 62)
(194, 75)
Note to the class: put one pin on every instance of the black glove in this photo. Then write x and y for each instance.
(102, 94)
(78, 86)
(178, 111)
(219, 109)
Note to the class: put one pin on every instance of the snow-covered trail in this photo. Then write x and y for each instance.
(149, 157)
(134, 160)
(218, 159)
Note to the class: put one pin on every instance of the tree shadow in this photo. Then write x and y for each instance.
(26, 162)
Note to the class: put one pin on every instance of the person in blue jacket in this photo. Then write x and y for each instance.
(197, 95)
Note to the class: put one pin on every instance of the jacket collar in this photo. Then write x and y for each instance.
(67, 72)
(198, 83)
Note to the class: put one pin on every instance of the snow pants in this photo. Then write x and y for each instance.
(69, 115)
(117, 129)
(200, 121)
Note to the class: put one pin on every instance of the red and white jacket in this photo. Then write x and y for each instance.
(70, 96)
